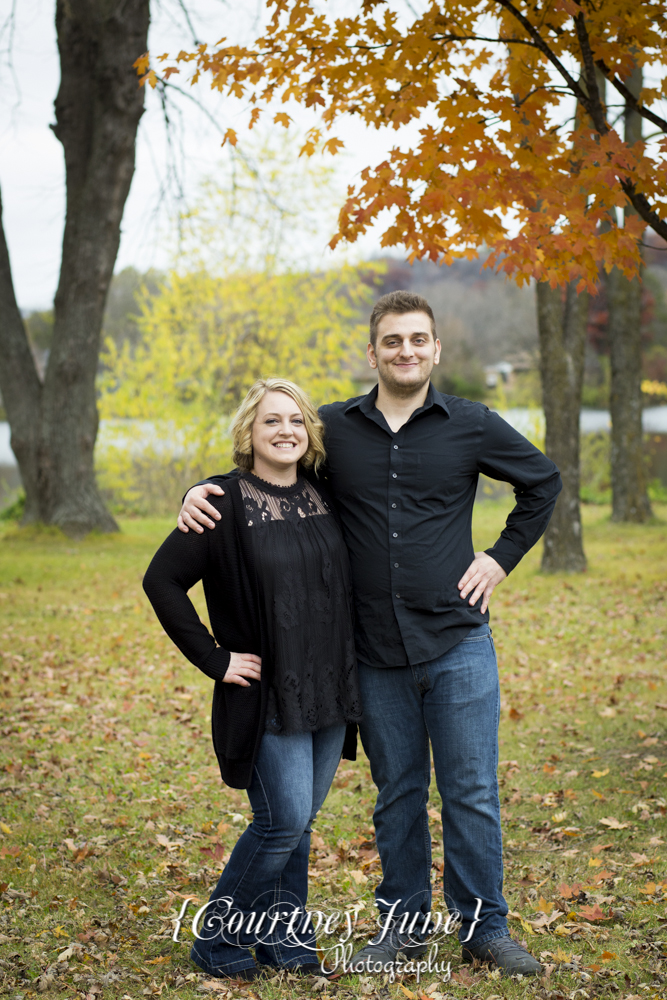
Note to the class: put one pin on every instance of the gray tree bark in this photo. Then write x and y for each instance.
(561, 320)
(98, 107)
(628, 476)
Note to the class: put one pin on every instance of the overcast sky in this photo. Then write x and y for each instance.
(31, 161)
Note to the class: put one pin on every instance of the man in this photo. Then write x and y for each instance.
(403, 464)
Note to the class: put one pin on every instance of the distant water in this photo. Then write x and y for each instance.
(527, 421)
(6, 453)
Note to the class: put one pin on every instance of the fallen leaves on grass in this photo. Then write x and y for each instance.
(613, 824)
(545, 919)
(465, 978)
(216, 851)
(169, 845)
(93, 740)
(592, 913)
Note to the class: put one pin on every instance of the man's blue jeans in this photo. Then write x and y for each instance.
(455, 701)
(267, 872)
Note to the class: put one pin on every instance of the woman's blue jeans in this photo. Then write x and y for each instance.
(267, 872)
(455, 702)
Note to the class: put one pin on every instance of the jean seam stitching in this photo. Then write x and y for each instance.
(242, 876)
(427, 834)
(261, 836)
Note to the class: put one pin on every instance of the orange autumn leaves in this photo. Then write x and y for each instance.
(498, 157)
(580, 903)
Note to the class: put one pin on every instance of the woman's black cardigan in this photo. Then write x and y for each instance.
(220, 557)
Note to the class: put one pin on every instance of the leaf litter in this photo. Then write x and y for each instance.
(112, 813)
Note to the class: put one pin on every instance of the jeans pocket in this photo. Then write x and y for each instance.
(478, 634)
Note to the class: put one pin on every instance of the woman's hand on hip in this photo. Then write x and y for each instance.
(243, 668)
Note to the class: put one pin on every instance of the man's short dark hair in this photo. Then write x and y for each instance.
(396, 303)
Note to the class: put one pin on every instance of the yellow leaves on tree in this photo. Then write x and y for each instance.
(500, 156)
(166, 401)
(654, 388)
(263, 208)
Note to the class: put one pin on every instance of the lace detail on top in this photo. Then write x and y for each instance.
(282, 503)
(303, 571)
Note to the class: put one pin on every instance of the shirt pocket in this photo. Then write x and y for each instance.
(434, 478)
(426, 478)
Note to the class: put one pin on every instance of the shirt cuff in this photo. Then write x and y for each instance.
(216, 663)
(506, 553)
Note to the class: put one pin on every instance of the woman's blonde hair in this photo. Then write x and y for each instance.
(244, 418)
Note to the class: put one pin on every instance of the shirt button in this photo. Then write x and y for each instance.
(395, 447)
(395, 565)
(394, 475)
(394, 505)
(398, 596)
(395, 534)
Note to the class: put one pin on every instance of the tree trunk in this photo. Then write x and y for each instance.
(630, 500)
(19, 383)
(628, 477)
(98, 108)
(562, 331)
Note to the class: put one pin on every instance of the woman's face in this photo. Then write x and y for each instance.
(279, 436)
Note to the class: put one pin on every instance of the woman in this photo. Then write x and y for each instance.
(277, 585)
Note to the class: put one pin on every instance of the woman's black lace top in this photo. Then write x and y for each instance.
(302, 567)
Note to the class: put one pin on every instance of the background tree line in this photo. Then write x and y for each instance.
(164, 403)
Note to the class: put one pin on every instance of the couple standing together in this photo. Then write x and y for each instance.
(343, 591)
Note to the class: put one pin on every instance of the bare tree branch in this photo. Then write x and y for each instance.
(186, 15)
(577, 91)
(594, 107)
(8, 28)
(642, 206)
(630, 97)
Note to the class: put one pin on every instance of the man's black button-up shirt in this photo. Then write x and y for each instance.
(405, 500)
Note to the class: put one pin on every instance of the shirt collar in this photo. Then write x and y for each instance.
(366, 404)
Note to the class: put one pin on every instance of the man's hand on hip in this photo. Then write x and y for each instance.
(196, 508)
(482, 577)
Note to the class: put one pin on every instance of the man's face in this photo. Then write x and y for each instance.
(405, 352)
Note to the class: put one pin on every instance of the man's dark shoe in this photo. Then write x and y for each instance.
(382, 951)
(414, 950)
(506, 954)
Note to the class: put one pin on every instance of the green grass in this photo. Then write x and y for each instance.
(112, 809)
